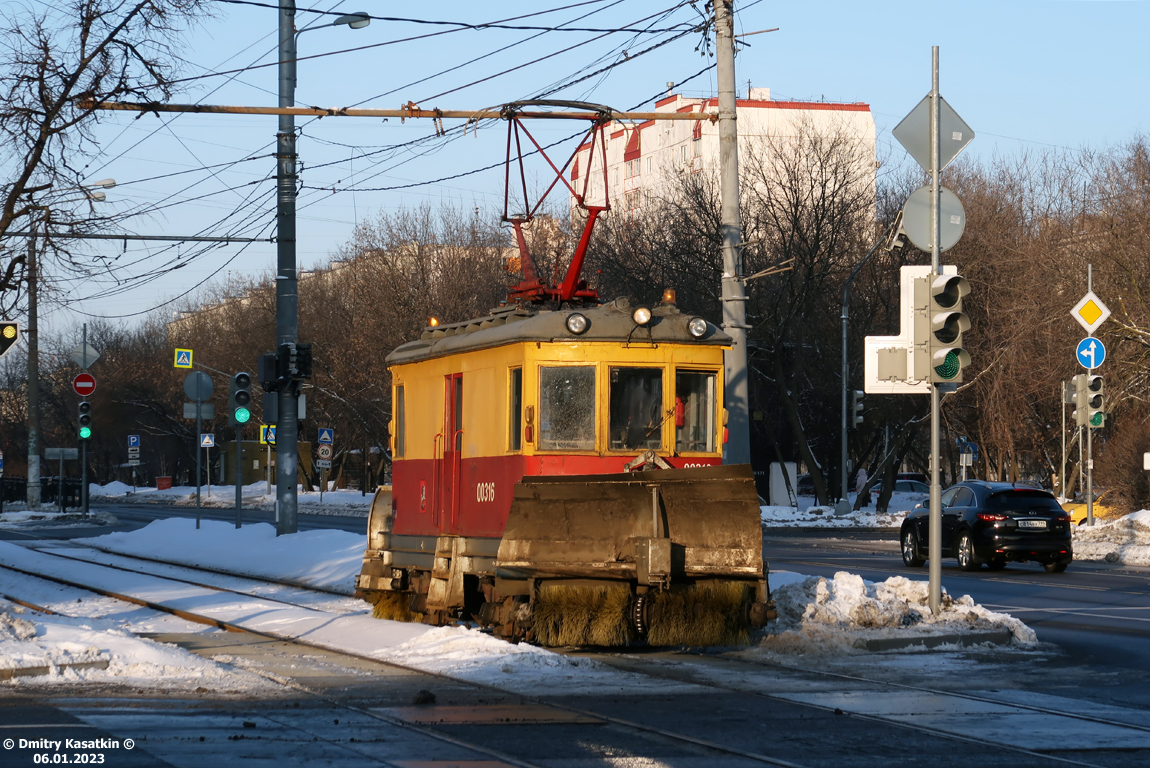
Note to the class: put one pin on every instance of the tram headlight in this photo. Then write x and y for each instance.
(697, 326)
(641, 315)
(577, 323)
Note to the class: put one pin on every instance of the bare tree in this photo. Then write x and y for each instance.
(56, 60)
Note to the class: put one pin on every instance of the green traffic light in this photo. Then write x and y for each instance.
(1096, 419)
(242, 415)
(85, 433)
(950, 366)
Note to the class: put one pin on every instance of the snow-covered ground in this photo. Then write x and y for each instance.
(809, 515)
(325, 559)
(255, 496)
(1124, 540)
(816, 616)
(30, 640)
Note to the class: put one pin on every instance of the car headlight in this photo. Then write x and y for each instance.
(577, 323)
(697, 326)
(641, 315)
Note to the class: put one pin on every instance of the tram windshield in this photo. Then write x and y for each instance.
(694, 411)
(567, 408)
(636, 408)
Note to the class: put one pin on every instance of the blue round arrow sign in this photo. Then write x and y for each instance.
(1091, 352)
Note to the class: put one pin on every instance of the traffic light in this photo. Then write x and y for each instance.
(84, 420)
(857, 407)
(9, 335)
(1078, 398)
(947, 324)
(239, 399)
(1095, 400)
(294, 361)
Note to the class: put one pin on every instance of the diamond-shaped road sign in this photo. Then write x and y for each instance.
(1090, 312)
(84, 355)
(914, 133)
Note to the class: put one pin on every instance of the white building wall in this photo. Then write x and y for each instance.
(668, 149)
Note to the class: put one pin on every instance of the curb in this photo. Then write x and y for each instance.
(995, 637)
(8, 674)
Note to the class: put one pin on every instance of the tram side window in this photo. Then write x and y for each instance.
(694, 412)
(636, 408)
(400, 424)
(567, 408)
(515, 410)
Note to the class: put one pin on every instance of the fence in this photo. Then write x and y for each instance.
(15, 489)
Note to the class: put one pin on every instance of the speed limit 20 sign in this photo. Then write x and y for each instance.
(324, 451)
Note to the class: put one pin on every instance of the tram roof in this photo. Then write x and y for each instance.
(610, 322)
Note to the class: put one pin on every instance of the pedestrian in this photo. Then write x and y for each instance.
(862, 500)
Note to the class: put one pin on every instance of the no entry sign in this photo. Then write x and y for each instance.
(84, 384)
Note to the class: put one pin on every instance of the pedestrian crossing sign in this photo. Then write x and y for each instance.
(267, 434)
(183, 358)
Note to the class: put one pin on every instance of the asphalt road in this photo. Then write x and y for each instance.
(1096, 614)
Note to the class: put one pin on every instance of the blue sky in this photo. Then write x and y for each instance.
(1026, 76)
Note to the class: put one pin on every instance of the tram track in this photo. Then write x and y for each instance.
(626, 662)
(613, 720)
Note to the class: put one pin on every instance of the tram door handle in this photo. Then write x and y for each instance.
(456, 464)
(435, 476)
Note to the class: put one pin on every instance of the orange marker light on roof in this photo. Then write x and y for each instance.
(433, 321)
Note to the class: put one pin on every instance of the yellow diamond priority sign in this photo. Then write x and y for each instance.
(1090, 312)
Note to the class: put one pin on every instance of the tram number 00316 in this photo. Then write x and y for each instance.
(485, 492)
(76, 758)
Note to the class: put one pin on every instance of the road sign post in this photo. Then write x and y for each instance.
(197, 386)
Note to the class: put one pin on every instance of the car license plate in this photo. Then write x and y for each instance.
(1031, 523)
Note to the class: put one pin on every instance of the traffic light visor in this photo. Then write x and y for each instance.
(948, 290)
(947, 326)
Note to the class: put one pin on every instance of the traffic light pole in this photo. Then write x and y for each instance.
(934, 546)
(239, 474)
(1089, 426)
(287, 308)
(84, 443)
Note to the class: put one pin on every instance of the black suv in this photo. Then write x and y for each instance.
(993, 523)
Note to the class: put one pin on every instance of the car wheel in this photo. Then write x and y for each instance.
(1058, 567)
(996, 565)
(910, 554)
(967, 560)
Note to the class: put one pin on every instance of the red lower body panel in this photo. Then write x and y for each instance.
(473, 498)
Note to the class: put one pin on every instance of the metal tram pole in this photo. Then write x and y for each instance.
(199, 439)
(737, 450)
(1062, 467)
(33, 489)
(934, 551)
(287, 307)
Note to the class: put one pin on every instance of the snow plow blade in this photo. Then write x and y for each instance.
(688, 542)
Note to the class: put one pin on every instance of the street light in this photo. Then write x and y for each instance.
(891, 241)
(287, 296)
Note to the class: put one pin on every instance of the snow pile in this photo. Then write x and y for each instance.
(819, 614)
(255, 496)
(57, 642)
(326, 559)
(1125, 540)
